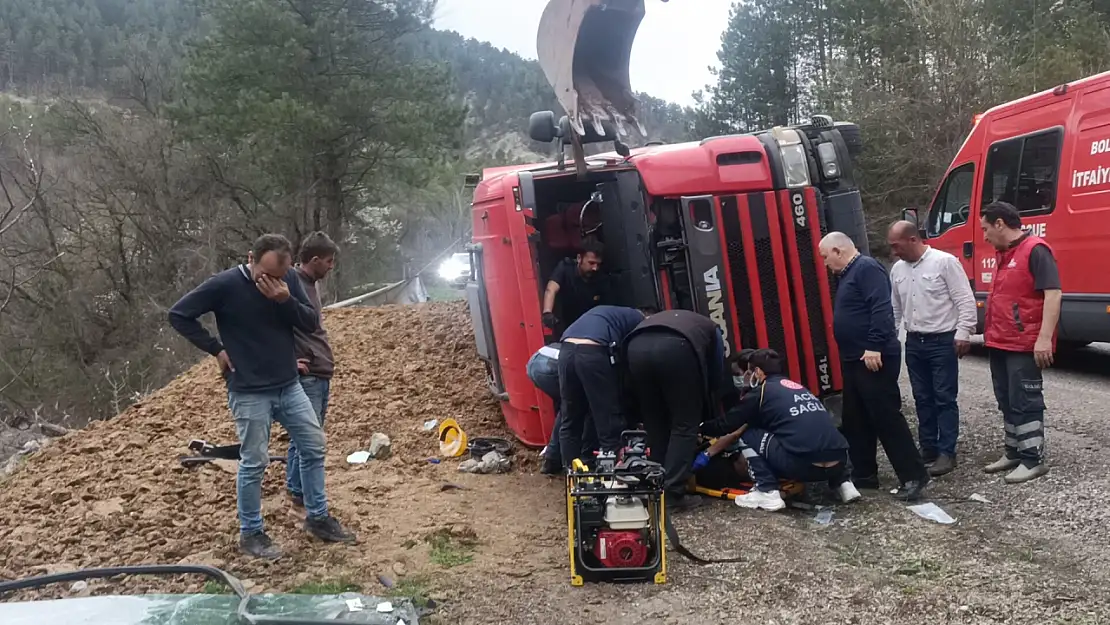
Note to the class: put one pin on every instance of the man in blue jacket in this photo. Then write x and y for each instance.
(789, 436)
(257, 306)
(870, 360)
(589, 380)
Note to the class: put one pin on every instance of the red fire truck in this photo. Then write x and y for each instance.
(1049, 155)
(728, 227)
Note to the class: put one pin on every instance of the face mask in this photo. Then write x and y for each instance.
(739, 381)
(753, 382)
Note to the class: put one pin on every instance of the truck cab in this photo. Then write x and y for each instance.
(1049, 155)
(728, 227)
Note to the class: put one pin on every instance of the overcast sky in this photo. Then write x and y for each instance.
(675, 45)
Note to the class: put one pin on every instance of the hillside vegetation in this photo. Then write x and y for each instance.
(148, 142)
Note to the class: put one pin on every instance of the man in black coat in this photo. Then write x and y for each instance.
(676, 365)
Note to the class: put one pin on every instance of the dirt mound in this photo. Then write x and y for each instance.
(114, 493)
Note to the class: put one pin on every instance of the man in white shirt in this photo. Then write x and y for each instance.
(934, 303)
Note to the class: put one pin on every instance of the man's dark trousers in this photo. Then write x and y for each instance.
(873, 414)
(544, 373)
(935, 376)
(768, 462)
(667, 377)
(590, 387)
(1019, 389)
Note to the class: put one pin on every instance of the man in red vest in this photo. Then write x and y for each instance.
(1023, 309)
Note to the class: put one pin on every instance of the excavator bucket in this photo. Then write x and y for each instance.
(584, 48)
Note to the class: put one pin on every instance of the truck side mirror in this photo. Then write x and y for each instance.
(910, 215)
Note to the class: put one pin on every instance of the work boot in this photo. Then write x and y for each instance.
(259, 545)
(912, 490)
(1004, 463)
(871, 482)
(848, 492)
(1025, 473)
(552, 466)
(756, 499)
(328, 529)
(929, 456)
(683, 503)
(944, 465)
(296, 500)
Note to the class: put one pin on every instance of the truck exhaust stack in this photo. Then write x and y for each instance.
(584, 48)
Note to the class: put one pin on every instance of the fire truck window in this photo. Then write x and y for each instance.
(953, 204)
(1023, 172)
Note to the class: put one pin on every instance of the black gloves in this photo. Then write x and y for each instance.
(549, 320)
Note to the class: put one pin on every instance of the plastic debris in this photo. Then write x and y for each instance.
(979, 498)
(433, 460)
(385, 581)
(354, 605)
(359, 457)
(430, 425)
(380, 446)
(824, 517)
(932, 512)
(493, 462)
(385, 607)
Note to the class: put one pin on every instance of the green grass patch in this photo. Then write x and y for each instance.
(327, 587)
(212, 587)
(416, 588)
(450, 547)
(922, 568)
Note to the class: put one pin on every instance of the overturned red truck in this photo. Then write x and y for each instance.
(728, 226)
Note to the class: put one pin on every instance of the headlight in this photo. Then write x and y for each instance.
(448, 272)
(830, 169)
(795, 165)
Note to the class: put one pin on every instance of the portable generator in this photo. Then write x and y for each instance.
(615, 516)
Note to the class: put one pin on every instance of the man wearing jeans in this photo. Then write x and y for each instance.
(314, 358)
(1023, 309)
(933, 301)
(256, 306)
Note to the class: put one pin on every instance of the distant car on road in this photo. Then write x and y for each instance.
(456, 269)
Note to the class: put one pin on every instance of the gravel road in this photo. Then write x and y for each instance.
(1037, 553)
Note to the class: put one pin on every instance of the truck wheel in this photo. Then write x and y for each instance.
(852, 138)
(1071, 346)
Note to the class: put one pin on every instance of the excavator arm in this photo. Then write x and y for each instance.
(584, 48)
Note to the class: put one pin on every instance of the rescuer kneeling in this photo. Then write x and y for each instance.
(676, 361)
(789, 436)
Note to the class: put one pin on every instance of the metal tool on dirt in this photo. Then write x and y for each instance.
(617, 521)
(584, 47)
(207, 452)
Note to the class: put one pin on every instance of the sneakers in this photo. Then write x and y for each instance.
(912, 490)
(756, 499)
(943, 465)
(259, 545)
(1002, 464)
(1024, 474)
(847, 492)
(328, 530)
